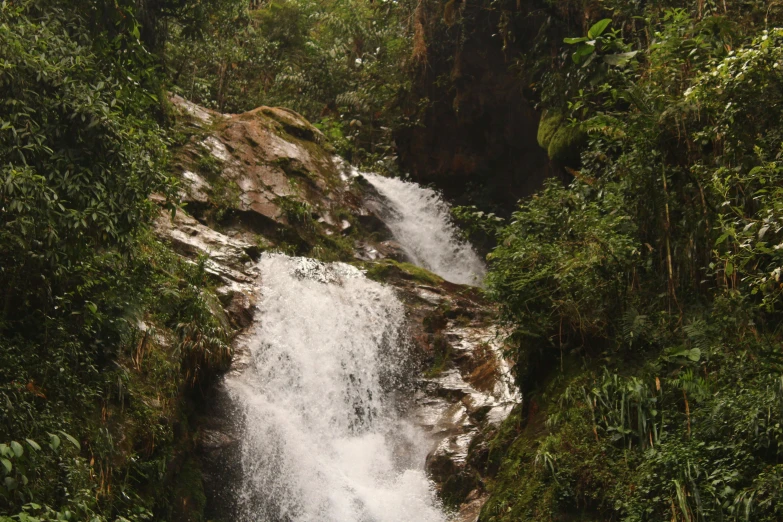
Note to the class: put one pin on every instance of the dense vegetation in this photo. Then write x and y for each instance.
(104, 332)
(644, 295)
(340, 63)
(107, 337)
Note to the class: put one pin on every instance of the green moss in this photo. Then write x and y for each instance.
(562, 140)
(420, 274)
(208, 165)
(547, 127)
(388, 269)
(294, 124)
(566, 145)
(332, 248)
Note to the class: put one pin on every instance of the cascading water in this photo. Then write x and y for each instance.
(420, 221)
(322, 438)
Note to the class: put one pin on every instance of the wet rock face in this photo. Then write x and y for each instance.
(264, 168)
(229, 261)
(268, 177)
(466, 388)
(478, 131)
(256, 162)
(461, 404)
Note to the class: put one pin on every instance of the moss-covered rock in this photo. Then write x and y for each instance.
(294, 124)
(566, 145)
(389, 269)
(562, 140)
(547, 127)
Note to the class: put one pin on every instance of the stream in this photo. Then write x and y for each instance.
(325, 434)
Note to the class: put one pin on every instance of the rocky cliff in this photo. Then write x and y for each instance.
(267, 180)
(477, 137)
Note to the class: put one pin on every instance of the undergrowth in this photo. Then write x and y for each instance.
(649, 288)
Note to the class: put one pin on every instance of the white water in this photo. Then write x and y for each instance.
(421, 222)
(322, 439)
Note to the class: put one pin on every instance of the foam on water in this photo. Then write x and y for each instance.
(322, 438)
(421, 222)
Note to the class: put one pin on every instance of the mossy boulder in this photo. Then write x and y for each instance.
(562, 140)
(294, 124)
(567, 144)
(547, 127)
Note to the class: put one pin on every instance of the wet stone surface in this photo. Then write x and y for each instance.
(463, 388)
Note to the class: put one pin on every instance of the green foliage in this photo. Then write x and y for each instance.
(298, 213)
(78, 162)
(93, 309)
(340, 63)
(658, 270)
(203, 330)
(563, 261)
(478, 227)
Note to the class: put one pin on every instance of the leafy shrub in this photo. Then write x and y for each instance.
(340, 63)
(561, 265)
(80, 154)
(655, 275)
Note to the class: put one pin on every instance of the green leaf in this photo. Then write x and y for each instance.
(722, 238)
(10, 483)
(694, 354)
(729, 268)
(7, 464)
(54, 441)
(71, 439)
(582, 52)
(17, 448)
(598, 28)
(572, 41)
(33, 444)
(620, 59)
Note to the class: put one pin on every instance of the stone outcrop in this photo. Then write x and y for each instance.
(477, 133)
(262, 168)
(465, 389)
(266, 179)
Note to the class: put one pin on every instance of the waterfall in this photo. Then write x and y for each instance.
(421, 222)
(323, 439)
